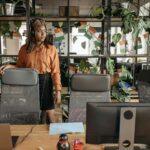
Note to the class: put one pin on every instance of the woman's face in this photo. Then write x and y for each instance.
(40, 34)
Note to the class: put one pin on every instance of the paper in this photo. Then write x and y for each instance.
(72, 127)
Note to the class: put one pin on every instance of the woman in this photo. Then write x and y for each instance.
(38, 54)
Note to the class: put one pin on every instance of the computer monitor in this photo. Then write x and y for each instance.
(104, 124)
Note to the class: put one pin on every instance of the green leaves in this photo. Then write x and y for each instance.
(110, 66)
(84, 66)
(116, 38)
(125, 74)
(127, 20)
(4, 28)
(120, 92)
(18, 25)
(147, 25)
(98, 12)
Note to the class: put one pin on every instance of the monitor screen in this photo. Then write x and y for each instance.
(103, 122)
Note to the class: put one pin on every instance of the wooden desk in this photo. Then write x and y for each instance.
(33, 136)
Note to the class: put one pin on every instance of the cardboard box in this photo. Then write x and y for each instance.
(12, 46)
(73, 11)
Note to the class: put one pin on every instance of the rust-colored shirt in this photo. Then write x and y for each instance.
(44, 60)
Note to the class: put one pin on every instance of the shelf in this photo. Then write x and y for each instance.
(58, 18)
(87, 19)
(13, 18)
(131, 55)
(73, 19)
(50, 19)
(103, 56)
(76, 19)
(89, 56)
(81, 56)
(4, 55)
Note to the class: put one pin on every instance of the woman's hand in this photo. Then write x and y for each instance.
(57, 98)
(4, 67)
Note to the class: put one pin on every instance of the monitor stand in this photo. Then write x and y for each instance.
(117, 148)
(127, 131)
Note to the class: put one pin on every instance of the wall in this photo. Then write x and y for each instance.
(52, 7)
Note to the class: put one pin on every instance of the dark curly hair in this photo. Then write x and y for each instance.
(31, 41)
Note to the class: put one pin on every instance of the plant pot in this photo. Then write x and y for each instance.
(1, 9)
(8, 9)
(125, 4)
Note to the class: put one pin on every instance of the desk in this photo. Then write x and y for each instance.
(33, 136)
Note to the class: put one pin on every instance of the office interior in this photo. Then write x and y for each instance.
(104, 53)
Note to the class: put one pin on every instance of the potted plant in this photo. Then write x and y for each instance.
(119, 81)
(4, 28)
(9, 6)
(121, 90)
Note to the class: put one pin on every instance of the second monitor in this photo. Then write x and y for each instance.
(105, 122)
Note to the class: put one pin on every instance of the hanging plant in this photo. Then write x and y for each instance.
(110, 66)
(115, 39)
(83, 44)
(98, 45)
(128, 20)
(97, 12)
(75, 39)
(137, 29)
(146, 25)
(95, 52)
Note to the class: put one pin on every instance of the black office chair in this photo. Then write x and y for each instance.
(20, 97)
(144, 86)
(87, 88)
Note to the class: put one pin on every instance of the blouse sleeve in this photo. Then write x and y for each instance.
(21, 58)
(55, 71)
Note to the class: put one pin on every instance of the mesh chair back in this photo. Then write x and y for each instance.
(87, 88)
(20, 97)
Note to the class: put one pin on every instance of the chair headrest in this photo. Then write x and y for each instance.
(90, 83)
(20, 76)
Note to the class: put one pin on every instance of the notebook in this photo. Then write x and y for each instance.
(66, 127)
(5, 137)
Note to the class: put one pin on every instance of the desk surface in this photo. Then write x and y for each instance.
(33, 136)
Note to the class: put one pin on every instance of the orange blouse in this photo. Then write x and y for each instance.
(44, 60)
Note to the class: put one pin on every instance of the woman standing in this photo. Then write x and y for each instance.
(38, 54)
